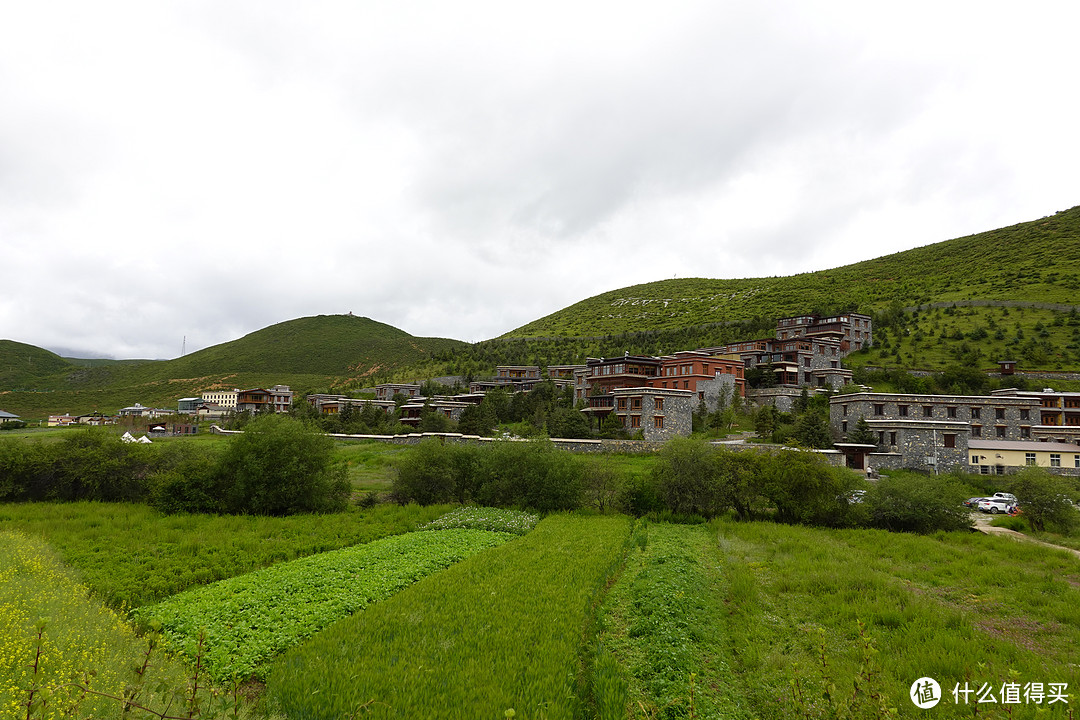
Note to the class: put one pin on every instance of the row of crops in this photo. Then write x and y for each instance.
(479, 613)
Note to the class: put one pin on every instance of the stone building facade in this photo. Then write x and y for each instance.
(657, 413)
(928, 432)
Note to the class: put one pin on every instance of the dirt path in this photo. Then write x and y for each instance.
(982, 524)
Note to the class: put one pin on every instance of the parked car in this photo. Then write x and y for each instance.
(995, 506)
(1005, 496)
(974, 502)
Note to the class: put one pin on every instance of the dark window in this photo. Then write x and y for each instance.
(976, 431)
(879, 409)
(1025, 414)
(974, 413)
(999, 430)
(928, 411)
(950, 440)
(901, 410)
(950, 412)
(999, 413)
(892, 438)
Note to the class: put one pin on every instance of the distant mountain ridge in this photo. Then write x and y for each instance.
(312, 353)
(1033, 261)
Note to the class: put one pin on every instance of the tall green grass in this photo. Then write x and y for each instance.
(131, 555)
(82, 641)
(659, 632)
(500, 631)
(957, 607)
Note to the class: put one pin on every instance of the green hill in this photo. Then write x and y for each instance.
(308, 354)
(930, 306)
(1035, 262)
(22, 366)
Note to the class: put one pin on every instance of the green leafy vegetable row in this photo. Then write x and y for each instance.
(250, 618)
(498, 632)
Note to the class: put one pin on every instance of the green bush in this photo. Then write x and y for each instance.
(26, 470)
(1046, 500)
(98, 465)
(640, 496)
(804, 489)
(433, 473)
(188, 479)
(688, 478)
(911, 502)
(530, 474)
(280, 466)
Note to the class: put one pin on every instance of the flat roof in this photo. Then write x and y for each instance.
(1025, 445)
(921, 397)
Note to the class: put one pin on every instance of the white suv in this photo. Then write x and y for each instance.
(995, 505)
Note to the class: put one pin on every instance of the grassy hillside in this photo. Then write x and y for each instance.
(1032, 270)
(313, 353)
(22, 366)
(1036, 261)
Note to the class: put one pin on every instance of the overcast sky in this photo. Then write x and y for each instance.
(457, 169)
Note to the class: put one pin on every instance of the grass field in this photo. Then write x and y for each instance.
(499, 633)
(132, 555)
(588, 616)
(959, 607)
(81, 641)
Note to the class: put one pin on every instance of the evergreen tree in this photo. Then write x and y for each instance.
(862, 433)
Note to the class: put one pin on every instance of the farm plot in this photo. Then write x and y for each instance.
(503, 630)
(247, 620)
(132, 555)
(81, 640)
(843, 622)
(661, 650)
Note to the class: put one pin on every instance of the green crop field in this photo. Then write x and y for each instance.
(499, 632)
(247, 620)
(132, 555)
(52, 634)
(588, 616)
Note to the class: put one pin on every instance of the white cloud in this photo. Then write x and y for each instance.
(172, 169)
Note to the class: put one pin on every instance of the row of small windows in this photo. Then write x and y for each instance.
(1055, 459)
(635, 421)
(950, 411)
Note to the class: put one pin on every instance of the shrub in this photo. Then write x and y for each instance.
(433, 473)
(911, 502)
(280, 466)
(640, 496)
(1045, 500)
(188, 479)
(805, 489)
(529, 474)
(505, 473)
(688, 478)
(97, 465)
(25, 470)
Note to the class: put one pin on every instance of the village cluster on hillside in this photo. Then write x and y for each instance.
(654, 398)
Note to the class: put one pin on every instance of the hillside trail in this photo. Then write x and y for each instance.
(982, 524)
